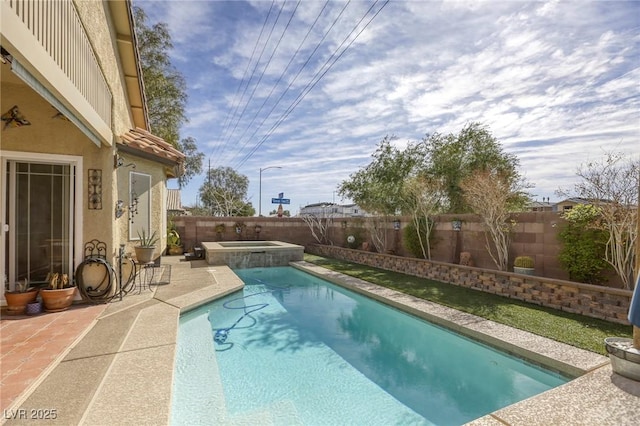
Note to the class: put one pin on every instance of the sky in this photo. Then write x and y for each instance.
(312, 87)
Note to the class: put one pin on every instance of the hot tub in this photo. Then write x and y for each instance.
(252, 254)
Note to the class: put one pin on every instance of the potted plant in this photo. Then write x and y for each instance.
(146, 247)
(18, 299)
(624, 353)
(523, 265)
(60, 293)
(174, 243)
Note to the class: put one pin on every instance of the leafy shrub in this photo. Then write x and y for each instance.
(411, 241)
(584, 244)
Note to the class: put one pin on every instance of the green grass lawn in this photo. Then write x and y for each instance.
(577, 330)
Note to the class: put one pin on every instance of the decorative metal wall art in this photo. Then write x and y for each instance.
(95, 189)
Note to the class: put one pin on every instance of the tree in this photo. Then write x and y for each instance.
(493, 195)
(192, 162)
(452, 158)
(224, 193)
(165, 91)
(319, 227)
(584, 246)
(424, 198)
(378, 187)
(198, 210)
(611, 185)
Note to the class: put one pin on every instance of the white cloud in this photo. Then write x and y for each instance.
(556, 82)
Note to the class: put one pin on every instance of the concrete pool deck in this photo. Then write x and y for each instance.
(120, 369)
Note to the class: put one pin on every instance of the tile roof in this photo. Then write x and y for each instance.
(141, 140)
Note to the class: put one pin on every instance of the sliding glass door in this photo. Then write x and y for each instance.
(39, 215)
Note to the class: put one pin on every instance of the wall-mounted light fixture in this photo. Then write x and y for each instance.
(396, 224)
(456, 225)
(95, 189)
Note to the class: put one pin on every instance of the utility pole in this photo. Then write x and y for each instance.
(209, 188)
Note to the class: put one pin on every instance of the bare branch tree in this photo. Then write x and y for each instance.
(490, 196)
(377, 227)
(319, 227)
(226, 203)
(425, 198)
(612, 186)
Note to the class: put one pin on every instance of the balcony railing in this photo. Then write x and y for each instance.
(57, 27)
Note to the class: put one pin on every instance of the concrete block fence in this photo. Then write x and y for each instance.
(606, 303)
(535, 235)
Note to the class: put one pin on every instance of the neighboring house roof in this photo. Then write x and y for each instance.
(174, 200)
(140, 142)
(319, 205)
(540, 205)
(580, 200)
(576, 200)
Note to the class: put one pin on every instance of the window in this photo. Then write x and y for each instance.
(139, 204)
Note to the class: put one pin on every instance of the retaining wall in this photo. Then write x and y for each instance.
(594, 301)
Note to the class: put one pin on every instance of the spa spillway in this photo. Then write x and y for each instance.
(252, 254)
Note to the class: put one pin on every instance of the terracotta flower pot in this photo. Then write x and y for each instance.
(175, 250)
(57, 300)
(17, 301)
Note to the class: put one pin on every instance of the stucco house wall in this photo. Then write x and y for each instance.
(50, 134)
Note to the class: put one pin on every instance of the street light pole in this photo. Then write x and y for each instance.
(260, 188)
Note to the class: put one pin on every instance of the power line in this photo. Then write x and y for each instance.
(253, 73)
(335, 21)
(219, 148)
(282, 76)
(264, 70)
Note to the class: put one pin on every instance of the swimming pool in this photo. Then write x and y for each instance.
(316, 353)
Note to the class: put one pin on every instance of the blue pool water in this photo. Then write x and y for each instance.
(314, 353)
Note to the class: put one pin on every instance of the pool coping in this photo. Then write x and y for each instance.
(122, 369)
(565, 359)
(595, 396)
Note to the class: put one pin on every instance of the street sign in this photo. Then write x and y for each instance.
(281, 195)
(280, 201)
